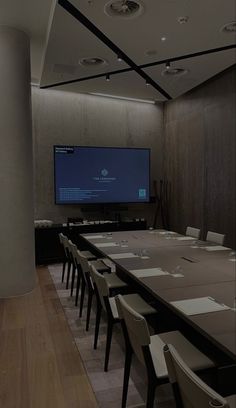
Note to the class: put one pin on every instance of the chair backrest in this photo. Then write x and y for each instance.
(193, 392)
(215, 238)
(62, 240)
(136, 326)
(84, 264)
(193, 232)
(100, 283)
(73, 250)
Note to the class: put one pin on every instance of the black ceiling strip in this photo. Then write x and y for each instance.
(193, 55)
(72, 81)
(70, 8)
(151, 64)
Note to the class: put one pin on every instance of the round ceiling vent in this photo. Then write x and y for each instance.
(174, 72)
(229, 28)
(124, 8)
(92, 62)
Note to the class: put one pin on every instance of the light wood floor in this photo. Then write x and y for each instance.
(40, 366)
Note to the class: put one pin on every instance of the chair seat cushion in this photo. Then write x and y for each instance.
(114, 281)
(99, 266)
(231, 401)
(136, 302)
(88, 254)
(189, 353)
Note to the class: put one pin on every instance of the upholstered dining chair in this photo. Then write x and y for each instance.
(113, 281)
(65, 254)
(149, 350)
(215, 238)
(189, 390)
(108, 304)
(193, 232)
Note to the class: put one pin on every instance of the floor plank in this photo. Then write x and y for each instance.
(40, 366)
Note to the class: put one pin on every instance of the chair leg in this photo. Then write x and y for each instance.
(82, 299)
(108, 343)
(77, 289)
(68, 275)
(98, 318)
(128, 360)
(90, 299)
(150, 394)
(63, 271)
(72, 280)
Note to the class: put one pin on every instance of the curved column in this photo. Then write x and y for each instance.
(17, 269)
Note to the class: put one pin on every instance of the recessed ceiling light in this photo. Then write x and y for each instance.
(107, 77)
(119, 58)
(183, 19)
(163, 38)
(229, 28)
(124, 8)
(174, 72)
(92, 62)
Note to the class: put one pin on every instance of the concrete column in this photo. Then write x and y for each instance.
(17, 270)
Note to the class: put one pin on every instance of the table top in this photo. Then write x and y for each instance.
(195, 269)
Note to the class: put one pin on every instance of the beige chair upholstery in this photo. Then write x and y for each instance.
(193, 392)
(193, 232)
(215, 238)
(133, 300)
(108, 303)
(149, 349)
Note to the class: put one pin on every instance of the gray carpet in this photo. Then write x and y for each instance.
(106, 386)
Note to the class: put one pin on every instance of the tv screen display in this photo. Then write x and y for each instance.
(101, 175)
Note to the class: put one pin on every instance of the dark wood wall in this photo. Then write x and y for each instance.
(199, 157)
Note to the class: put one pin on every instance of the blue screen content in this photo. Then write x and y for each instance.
(101, 175)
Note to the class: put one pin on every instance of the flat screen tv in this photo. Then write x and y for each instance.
(87, 175)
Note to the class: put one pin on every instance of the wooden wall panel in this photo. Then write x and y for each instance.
(200, 152)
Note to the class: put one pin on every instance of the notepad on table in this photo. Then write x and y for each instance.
(123, 255)
(106, 244)
(167, 233)
(185, 238)
(94, 236)
(197, 306)
(217, 248)
(146, 273)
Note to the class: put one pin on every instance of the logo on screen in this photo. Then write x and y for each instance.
(142, 193)
(104, 172)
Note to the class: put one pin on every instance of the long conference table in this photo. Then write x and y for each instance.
(170, 268)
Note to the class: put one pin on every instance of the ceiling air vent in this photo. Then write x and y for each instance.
(174, 72)
(92, 62)
(229, 28)
(124, 8)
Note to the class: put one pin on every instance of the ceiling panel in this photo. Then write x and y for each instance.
(68, 43)
(197, 70)
(142, 34)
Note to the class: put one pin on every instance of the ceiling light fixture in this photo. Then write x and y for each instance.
(107, 77)
(168, 65)
(147, 83)
(174, 72)
(183, 20)
(119, 58)
(229, 28)
(163, 38)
